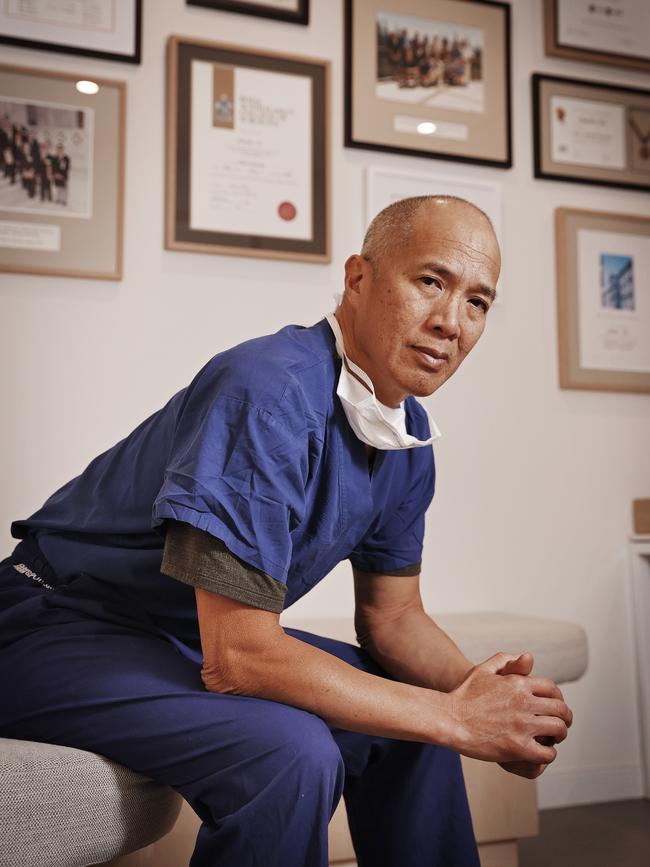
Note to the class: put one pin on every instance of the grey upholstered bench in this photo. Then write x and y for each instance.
(62, 807)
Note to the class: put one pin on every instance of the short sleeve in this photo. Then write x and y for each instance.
(238, 474)
(393, 544)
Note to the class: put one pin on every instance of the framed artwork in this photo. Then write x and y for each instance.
(61, 174)
(108, 29)
(432, 79)
(247, 152)
(616, 33)
(591, 133)
(296, 11)
(603, 300)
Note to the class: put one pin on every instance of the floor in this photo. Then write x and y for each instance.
(597, 835)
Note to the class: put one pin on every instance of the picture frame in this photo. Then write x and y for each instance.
(294, 11)
(432, 80)
(61, 174)
(247, 152)
(566, 111)
(105, 29)
(611, 34)
(603, 300)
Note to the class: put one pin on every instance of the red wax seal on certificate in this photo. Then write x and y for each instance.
(287, 210)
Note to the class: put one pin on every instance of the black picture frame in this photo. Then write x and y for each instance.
(300, 16)
(353, 140)
(61, 48)
(179, 234)
(632, 98)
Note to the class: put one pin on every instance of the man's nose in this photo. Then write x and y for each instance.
(444, 318)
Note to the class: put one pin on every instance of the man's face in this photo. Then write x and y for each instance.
(422, 306)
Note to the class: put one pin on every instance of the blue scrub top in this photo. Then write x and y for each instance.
(256, 451)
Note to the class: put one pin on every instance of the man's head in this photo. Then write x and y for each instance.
(417, 296)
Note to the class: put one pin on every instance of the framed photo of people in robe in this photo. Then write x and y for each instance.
(107, 29)
(295, 11)
(591, 133)
(247, 152)
(603, 300)
(61, 173)
(432, 79)
(616, 33)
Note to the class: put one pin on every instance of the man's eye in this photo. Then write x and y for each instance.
(430, 281)
(479, 302)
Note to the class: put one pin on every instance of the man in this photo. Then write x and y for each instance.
(60, 173)
(278, 461)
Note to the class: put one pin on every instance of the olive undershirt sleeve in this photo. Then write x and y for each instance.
(201, 560)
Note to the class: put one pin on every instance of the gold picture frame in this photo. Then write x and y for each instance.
(603, 300)
(61, 174)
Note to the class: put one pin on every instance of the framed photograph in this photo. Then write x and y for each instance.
(108, 29)
(61, 174)
(591, 133)
(247, 152)
(616, 33)
(296, 11)
(432, 79)
(603, 300)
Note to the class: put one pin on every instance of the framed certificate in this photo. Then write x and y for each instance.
(616, 32)
(108, 29)
(61, 174)
(603, 300)
(431, 79)
(247, 152)
(591, 133)
(296, 11)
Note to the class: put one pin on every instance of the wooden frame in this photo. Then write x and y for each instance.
(603, 318)
(18, 35)
(632, 109)
(432, 107)
(85, 223)
(307, 241)
(555, 48)
(298, 16)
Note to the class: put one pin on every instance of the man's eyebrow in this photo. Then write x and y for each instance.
(447, 273)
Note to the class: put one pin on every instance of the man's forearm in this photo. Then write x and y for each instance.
(415, 650)
(296, 673)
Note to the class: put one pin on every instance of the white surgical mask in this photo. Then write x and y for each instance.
(376, 425)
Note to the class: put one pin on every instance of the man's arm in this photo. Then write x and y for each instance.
(393, 627)
(492, 717)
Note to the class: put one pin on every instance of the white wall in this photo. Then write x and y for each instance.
(534, 484)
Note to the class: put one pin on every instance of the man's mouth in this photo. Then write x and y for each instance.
(433, 358)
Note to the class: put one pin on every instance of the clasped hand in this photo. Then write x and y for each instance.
(506, 715)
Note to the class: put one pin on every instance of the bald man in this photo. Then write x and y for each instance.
(140, 611)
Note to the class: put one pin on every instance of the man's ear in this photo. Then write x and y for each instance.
(356, 271)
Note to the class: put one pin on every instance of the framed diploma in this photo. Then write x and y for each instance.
(247, 152)
(61, 174)
(296, 11)
(591, 133)
(430, 79)
(603, 300)
(108, 29)
(615, 32)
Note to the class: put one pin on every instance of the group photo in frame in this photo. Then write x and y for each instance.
(430, 80)
(294, 11)
(61, 174)
(106, 29)
(615, 34)
(603, 300)
(247, 152)
(591, 133)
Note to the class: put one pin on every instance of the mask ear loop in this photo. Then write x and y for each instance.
(352, 368)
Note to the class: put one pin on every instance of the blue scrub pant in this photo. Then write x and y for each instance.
(264, 777)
